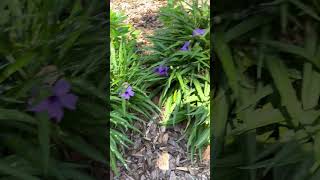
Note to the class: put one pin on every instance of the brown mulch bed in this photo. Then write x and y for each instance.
(142, 14)
(159, 153)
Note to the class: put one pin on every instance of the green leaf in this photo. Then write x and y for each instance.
(307, 9)
(11, 114)
(288, 95)
(220, 118)
(224, 53)
(21, 62)
(75, 174)
(203, 137)
(310, 87)
(80, 145)
(44, 141)
(5, 169)
(246, 26)
(259, 118)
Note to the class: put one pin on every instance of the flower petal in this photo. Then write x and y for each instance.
(130, 91)
(61, 87)
(198, 32)
(55, 110)
(68, 101)
(185, 46)
(125, 96)
(42, 106)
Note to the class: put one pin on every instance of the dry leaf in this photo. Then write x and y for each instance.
(163, 161)
(165, 138)
(206, 154)
(182, 168)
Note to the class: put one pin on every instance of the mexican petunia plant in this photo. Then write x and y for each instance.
(52, 75)
(182, 44)
(129, 97)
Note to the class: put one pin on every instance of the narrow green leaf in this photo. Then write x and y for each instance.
(44, 141)
(288, 95)
(5, 169)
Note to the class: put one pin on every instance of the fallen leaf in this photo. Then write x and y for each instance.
(163, 161)
(206, 154)
(165, 138)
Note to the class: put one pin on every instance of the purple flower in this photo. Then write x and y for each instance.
(55, 103)
(198, 31)
(128, 93)
(162, 70)
(185, 47)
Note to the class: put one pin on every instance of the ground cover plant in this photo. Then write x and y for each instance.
(180, 56)
(128, 90)
(266, 107)
(52, 89)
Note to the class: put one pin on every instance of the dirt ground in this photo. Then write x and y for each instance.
(142, 14)
(160, 153)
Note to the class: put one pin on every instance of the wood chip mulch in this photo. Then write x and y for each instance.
(142, 14)
(160, 153)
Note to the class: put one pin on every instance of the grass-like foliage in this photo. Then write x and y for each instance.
(52, 46)
(266, 110)
(130, 100)
(180, 56)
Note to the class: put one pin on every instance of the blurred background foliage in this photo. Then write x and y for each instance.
(266, 104)
(42, 41)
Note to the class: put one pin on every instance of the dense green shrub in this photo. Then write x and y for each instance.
(266, 111)
(41, 43)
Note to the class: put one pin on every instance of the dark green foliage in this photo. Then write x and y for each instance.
(42, 41)
(266, 112)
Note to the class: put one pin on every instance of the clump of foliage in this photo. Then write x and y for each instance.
(129, 97)
(180, 56)
(52, 46)
(266, 109)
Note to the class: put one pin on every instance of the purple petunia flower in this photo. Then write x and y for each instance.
(185, 46)
(162, 70)
(198, 31)
(128, 93)
(55, 103)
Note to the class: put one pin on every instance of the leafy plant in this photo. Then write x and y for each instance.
(42, 42)
(127, 76)
(182, 46)
(266, 109)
